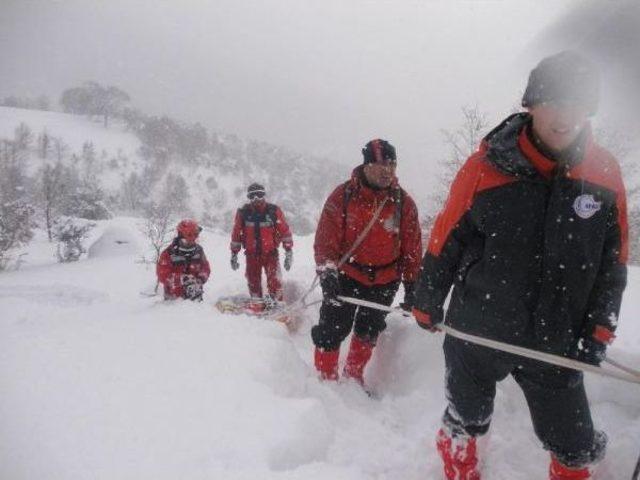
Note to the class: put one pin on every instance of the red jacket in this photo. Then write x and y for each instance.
(176, 261)
(260, 229)
(393, 247)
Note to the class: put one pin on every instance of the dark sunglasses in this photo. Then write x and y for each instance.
(253, 195)
(385, 162)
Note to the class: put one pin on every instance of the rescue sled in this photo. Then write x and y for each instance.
(243, 304)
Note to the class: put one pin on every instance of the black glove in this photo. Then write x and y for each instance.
(589, 350)
(330, 284)
(234, 261)
(192, 288)
(409, 296)
(288, 259)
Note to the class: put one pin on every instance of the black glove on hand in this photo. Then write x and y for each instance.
(409, 296)
(192, 288)
(589, 350)
(330, 284)
(288, 260)
(234, 261)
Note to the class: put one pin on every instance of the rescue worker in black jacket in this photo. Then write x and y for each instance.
(533, 239)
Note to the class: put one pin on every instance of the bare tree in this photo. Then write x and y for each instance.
(60, 149)
(23, 137)
(158, 226)
(109, 102)
(40, 103)
(175, 194)
(53, 189)
(94, 99)
(461, 143)
(44, 144)
(622, 145)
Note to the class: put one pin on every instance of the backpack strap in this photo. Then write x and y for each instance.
(346, 197)
(271, 213)
(398, 199)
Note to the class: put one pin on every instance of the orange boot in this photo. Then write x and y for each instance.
(326, 362)
(557, 471)
(459, 455)
(360, 352)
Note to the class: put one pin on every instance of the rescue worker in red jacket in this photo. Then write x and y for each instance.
(260, 227)
(183, 267)
(534, 240)
(388, 254)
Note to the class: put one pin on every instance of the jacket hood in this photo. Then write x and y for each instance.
(503, 148)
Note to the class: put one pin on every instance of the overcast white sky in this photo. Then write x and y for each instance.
(319, 76)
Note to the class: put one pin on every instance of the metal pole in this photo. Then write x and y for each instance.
(557, 360)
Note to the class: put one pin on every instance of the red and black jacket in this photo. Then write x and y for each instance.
(391, 250)
(536, 249)
(260, 229)
(176, 261)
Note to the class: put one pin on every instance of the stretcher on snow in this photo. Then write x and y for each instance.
(243, 304)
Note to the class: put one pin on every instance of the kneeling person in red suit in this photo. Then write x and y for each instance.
(183, 267)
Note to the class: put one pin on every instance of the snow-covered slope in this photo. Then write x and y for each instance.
(75, 130)
(99, 382)
(215, 182)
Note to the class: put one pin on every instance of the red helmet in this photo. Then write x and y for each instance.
(189, 230)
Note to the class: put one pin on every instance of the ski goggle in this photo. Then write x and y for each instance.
(385, 162)
(254, 195)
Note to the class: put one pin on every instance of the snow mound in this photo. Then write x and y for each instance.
(115, 241)
(99, 382)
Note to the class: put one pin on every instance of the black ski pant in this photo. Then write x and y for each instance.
(556, 398)
(336, 320)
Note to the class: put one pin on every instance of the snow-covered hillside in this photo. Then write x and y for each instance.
(214, 183)
(99, 382)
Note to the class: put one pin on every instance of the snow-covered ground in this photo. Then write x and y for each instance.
(99, 382)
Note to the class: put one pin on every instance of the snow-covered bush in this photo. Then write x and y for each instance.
(87, 201)
(69, 233)
(15, 228)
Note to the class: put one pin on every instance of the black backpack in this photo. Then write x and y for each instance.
(257, 219)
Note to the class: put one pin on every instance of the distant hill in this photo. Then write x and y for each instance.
(127, 165)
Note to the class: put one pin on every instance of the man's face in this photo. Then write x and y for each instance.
(256, 198)
(558, 124)
(380, 174)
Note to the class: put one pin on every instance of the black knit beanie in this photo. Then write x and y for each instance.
(377, 150)
(565, 77)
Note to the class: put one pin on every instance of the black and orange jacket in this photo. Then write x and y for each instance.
(260, 229)
(392, 249)
(536, 249)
